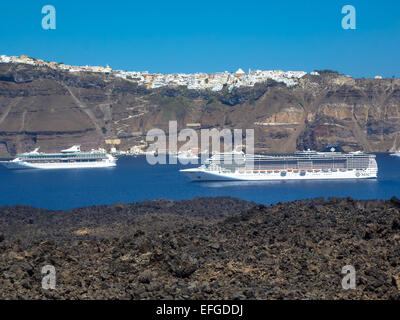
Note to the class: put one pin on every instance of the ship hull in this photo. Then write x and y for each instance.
(70, 165)
(197, 174)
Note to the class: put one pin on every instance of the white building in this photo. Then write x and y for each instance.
(197, 81)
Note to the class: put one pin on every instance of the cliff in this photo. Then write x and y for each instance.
(40, 106)
(205, 248)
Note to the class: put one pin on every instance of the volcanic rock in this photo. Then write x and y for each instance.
(205, 248)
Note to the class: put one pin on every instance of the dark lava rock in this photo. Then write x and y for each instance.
(182, 267)
(395, 201)
(205, 248)
(145, 276)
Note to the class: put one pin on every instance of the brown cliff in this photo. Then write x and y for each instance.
(52, 109)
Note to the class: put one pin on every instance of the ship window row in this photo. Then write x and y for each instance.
(64, 160)
(97, 156)
(303, 164)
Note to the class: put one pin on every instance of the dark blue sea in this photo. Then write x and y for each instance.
(135, 180)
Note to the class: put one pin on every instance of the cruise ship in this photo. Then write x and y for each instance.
(185, 156)
(305, 165)
(71, 158)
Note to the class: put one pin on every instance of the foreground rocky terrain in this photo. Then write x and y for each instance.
(205, 248)
(42, 107)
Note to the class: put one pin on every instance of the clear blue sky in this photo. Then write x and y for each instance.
(208, 36)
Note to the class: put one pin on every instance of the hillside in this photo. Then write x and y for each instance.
(40, 106)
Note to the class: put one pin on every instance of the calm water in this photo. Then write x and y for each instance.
(135, 180)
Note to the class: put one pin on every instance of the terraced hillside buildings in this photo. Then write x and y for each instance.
(198, 81)
(53, 106)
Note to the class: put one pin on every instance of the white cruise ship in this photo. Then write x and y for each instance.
(185, 156)
(67, 159)
(299, 166)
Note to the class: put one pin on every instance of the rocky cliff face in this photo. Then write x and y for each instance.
(52, 109)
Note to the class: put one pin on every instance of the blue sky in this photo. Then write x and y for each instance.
(208, 36)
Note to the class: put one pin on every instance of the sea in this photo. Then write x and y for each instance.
(134, 179)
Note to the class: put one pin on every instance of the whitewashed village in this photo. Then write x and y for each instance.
(196, 81)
